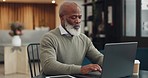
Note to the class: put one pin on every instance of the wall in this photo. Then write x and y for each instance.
(58, 2)
(29, 36)
(28, 1)
(31, 15)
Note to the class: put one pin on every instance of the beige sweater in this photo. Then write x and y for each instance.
(61, 54)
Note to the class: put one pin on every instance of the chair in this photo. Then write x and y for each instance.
(142, 55)
(33, 59)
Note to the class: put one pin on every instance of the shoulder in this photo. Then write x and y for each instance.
(83, 36)
(51, 35)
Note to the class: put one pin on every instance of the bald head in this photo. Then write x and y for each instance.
(69, 7)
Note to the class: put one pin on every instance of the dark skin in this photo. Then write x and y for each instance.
(71, 12)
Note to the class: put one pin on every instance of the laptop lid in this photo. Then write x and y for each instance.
(118, 59)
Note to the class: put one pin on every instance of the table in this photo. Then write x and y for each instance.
(142, 74)
(15, 60)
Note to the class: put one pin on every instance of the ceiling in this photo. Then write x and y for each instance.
(28, 1)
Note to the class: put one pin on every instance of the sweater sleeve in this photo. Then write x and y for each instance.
(93, 54)
(48, 57)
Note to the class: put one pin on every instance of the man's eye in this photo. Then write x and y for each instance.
(73, 17)
(79, 17)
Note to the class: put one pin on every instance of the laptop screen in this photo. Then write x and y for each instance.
(118, 59)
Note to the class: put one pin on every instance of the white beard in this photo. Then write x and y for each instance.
(72, 30)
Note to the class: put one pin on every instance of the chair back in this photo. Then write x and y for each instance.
(142, 56)
(33, 59)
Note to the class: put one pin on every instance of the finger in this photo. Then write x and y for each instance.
(85, 69)
(96, 67)
(99, 68)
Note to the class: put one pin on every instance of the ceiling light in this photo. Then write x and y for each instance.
(4, 0)
(53, 1)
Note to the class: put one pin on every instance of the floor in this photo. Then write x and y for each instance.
(11, 75)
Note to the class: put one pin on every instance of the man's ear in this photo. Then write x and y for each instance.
(61, 17)
(62, 20)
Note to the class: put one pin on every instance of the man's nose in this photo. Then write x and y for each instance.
(78, 20)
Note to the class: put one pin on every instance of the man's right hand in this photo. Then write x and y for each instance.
(90, 67)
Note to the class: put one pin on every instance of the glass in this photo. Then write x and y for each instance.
(129, 18)
(144, 19)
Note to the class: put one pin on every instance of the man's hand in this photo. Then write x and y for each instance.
(90, 67)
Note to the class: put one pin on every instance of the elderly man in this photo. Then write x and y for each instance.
(63, 49)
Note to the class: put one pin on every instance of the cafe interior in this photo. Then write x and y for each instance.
(103, 21)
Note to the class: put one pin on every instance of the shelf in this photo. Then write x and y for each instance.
(91, 3)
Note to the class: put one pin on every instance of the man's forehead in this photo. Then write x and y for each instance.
(76, 15)
(68, 8)
(74, 11)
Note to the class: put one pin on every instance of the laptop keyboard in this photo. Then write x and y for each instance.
(95, 74)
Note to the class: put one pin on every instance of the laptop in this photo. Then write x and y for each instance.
(61, 76)
(118, 60)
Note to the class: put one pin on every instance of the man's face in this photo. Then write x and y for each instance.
(72, 24)
(73, 19)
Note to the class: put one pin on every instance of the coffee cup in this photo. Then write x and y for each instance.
(136, 67)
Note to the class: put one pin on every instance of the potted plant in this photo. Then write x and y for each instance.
(16, 32)
(16, 29)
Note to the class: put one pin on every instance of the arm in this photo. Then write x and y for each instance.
(93, 54)
(49, 62)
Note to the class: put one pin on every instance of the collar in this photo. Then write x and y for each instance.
(63, 31)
